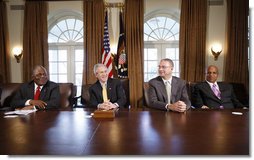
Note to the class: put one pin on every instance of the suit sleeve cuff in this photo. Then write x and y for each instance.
(116, 104)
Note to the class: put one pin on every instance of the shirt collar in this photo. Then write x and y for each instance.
(169, 80)
(35, 87)
(103, 83)
(211, 84)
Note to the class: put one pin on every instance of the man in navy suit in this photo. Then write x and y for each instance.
(213, 94)
(177, 93)
(48, 96)
(114, 91)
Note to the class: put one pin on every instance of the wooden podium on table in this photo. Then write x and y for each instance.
(99, 113)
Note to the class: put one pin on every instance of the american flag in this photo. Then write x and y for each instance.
(106, 55)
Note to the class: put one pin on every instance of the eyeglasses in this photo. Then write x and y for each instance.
(163, 67)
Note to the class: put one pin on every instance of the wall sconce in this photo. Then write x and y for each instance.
(18, 53)
(216, 49)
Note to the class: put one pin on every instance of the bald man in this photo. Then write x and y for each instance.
(211, 94)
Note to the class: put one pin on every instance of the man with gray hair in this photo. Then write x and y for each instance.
(39, 93)
(106, 93)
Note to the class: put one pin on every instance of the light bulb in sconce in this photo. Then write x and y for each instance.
(18, 53)
(216, 50)
(113, 49)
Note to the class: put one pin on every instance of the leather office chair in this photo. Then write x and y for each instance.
(85, 96)
(126, 87)
(8, 90)
(68, 92)
(241, 93)
(146, 94)
(190, 89)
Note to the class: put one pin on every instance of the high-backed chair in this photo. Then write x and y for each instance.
(241, 93)
(8, 90)
(85, 96)
(68, 92)
(146, 94)
(190, 89)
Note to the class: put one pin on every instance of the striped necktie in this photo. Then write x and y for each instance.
(216, 91)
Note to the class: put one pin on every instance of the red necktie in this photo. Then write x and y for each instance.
(37, 93)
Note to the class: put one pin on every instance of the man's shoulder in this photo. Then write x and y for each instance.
(113, 80)
(224, 84)
(95, 85)
(27, 84)
(52, 84)
(200, 84)
(178, 81)
(155, 79)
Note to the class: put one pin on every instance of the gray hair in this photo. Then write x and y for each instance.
(96, 66)
(36, 68)
(168, 60)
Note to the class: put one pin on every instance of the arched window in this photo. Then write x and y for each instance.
(66, 50)
(161, 40)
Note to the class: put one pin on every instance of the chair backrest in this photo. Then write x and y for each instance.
(146, 94)
(85, 96)
(126, 87)
(190, 89)
(68, 92)
(241, 93)
(8, 91)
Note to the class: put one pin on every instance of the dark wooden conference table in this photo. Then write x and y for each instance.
(131, 132)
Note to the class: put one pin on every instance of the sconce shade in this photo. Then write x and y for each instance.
(216, 50)
(18, 57)
(18, 53)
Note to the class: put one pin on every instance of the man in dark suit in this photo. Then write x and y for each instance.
(213, 94)
(39, 93)
(114, 96)
(165, 87)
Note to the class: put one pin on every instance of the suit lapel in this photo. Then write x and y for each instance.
(209, 89)
(31, 90)
(109, 87)
(163, 88)
(44, 91)
(99, 89)
(174, 86)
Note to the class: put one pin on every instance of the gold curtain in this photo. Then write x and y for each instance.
(4, 45)
(134, 22)
(93, 37)
(236, 48)
(35, 37)
(192, 43)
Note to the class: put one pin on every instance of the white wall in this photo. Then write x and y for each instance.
(215, 32)
(15, 23)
